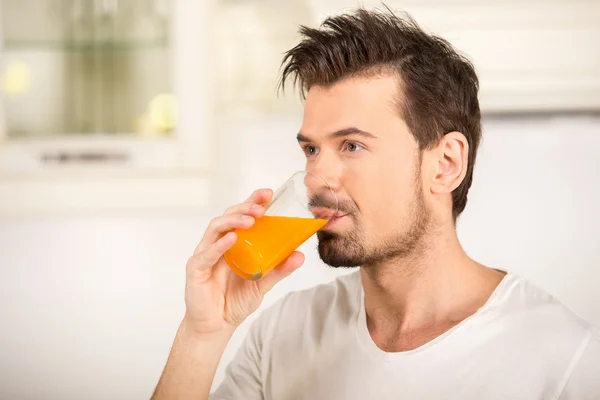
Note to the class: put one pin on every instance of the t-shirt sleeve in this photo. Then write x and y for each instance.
(584, 380)
(243, 377)
(247, 372)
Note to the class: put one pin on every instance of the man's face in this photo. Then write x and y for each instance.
(354, 138)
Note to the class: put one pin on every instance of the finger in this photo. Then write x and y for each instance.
(260, 196)
(203, 261)
(221, 225)
(253, 209)
(292, 263)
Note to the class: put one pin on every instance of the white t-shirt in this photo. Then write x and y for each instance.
(314, 344)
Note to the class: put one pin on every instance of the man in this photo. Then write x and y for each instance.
(392, 122)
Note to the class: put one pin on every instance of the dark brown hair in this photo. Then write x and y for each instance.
(438, 87)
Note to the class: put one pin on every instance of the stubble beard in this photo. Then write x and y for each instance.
(350, 249)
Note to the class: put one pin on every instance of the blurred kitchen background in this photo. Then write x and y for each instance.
(125, 125)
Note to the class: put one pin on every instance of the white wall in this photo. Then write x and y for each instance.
(89, 304)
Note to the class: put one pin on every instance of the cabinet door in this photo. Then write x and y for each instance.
(104, 102)
(535, 55)
(87, 67)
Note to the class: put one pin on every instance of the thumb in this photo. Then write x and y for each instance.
(292, 263)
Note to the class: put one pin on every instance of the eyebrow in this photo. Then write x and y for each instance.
(341, 133)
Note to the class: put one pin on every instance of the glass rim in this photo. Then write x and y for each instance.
(279, 190)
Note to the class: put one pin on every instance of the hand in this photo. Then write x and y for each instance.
(216, 298)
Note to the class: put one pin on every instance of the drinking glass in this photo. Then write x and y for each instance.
(298, 209)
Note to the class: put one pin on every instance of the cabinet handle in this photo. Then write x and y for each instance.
(84, 157)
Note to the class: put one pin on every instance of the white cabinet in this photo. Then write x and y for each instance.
(105, 104)
(535, 55)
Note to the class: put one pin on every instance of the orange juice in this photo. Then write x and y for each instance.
(267, 243)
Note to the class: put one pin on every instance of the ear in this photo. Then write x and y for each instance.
(451, 161)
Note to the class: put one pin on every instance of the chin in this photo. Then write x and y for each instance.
(335, 251)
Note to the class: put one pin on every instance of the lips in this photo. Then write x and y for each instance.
(333, 220)
(338, 216)
(323, 212)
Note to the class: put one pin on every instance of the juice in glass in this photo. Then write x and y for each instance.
(268, 243)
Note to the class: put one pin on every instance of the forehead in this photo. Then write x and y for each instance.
(368, 103)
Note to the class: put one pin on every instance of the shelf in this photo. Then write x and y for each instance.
(39, 197)
(102, 174)
(106, 45)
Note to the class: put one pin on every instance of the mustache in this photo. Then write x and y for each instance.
(345, 206)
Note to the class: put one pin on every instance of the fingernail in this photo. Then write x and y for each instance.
(247, 218)
(255, 206)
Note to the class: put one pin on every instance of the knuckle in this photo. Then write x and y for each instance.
(196, 264)
(191, 262)
(254, 195)
(242, 208)
(231, 209)
(213, 224)
(202, 259)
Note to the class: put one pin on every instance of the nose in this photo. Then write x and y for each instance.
(327, 166)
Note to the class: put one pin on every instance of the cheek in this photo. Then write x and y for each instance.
(382, 187)
(397, 183)
(384, 199)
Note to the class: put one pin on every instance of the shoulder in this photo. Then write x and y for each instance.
(538, 310)
(581, 378)
(537, 334)
(540, 324)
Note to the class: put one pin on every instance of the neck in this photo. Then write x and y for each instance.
(426, 293)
